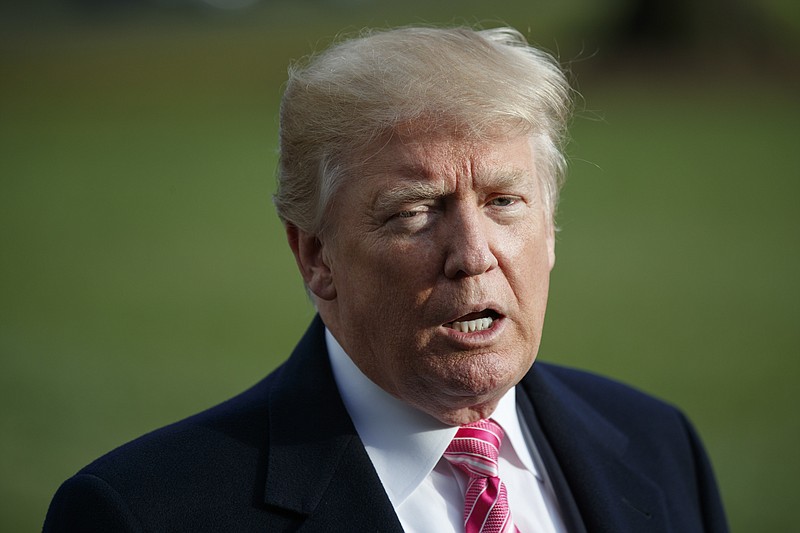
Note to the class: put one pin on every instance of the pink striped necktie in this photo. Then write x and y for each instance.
(474, 450)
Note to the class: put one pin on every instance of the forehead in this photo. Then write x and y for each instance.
(451, 159)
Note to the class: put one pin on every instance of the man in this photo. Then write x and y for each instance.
(418, 181)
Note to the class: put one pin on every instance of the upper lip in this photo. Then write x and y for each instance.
(491, 307)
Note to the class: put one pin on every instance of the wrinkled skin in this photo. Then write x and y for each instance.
(434, 229)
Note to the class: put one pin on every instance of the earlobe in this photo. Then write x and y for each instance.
(551, 245)
(309, 254)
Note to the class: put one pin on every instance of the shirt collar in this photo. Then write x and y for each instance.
(403, 443)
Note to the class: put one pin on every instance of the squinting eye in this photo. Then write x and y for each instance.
(413, 220)
(502, 201)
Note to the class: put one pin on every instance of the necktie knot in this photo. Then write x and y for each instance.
(475, 448)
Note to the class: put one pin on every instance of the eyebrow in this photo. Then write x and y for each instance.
(413, 190)
(408, 193)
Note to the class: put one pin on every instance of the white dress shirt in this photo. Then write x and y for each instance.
(406, 447)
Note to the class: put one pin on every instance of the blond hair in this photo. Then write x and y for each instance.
(339, 102)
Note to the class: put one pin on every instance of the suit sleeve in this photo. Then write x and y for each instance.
(714, 520)
(86, 503)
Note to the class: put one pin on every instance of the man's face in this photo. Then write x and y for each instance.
(439, 268)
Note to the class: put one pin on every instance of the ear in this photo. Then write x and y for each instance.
(551, 243)
(308, 253)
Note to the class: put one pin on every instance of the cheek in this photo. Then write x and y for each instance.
(525, 248)
(410, 263)
(529, 272)
(388, 280)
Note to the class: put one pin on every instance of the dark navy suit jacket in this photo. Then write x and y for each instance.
(284, 456)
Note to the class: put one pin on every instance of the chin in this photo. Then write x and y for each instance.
(464, 410)
(487, 373)
(470, 384)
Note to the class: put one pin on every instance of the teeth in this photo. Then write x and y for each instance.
(479, 324)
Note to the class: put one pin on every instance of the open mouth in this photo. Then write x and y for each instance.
(472, 322)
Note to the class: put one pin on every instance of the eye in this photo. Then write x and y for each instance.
(503, 201)
(412, 220)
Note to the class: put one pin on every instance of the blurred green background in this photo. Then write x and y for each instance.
(144, 275)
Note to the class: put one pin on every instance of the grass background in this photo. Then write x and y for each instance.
(144, 275)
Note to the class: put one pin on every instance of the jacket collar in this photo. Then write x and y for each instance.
(316, 464)
(591, 452)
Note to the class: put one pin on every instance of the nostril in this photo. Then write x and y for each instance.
(468, 262)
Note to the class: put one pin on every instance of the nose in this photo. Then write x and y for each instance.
(468, 244)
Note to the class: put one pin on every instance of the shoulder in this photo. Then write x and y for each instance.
(610, 437)
(598, 391)
(236, 424)
(176, 474)
(583, 406)
(585, 403)
(207, 472)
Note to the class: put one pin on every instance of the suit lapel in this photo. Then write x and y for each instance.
(591, 453)
(570, 514)
(317, 467)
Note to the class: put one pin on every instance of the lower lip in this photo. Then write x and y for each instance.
(477, 338)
